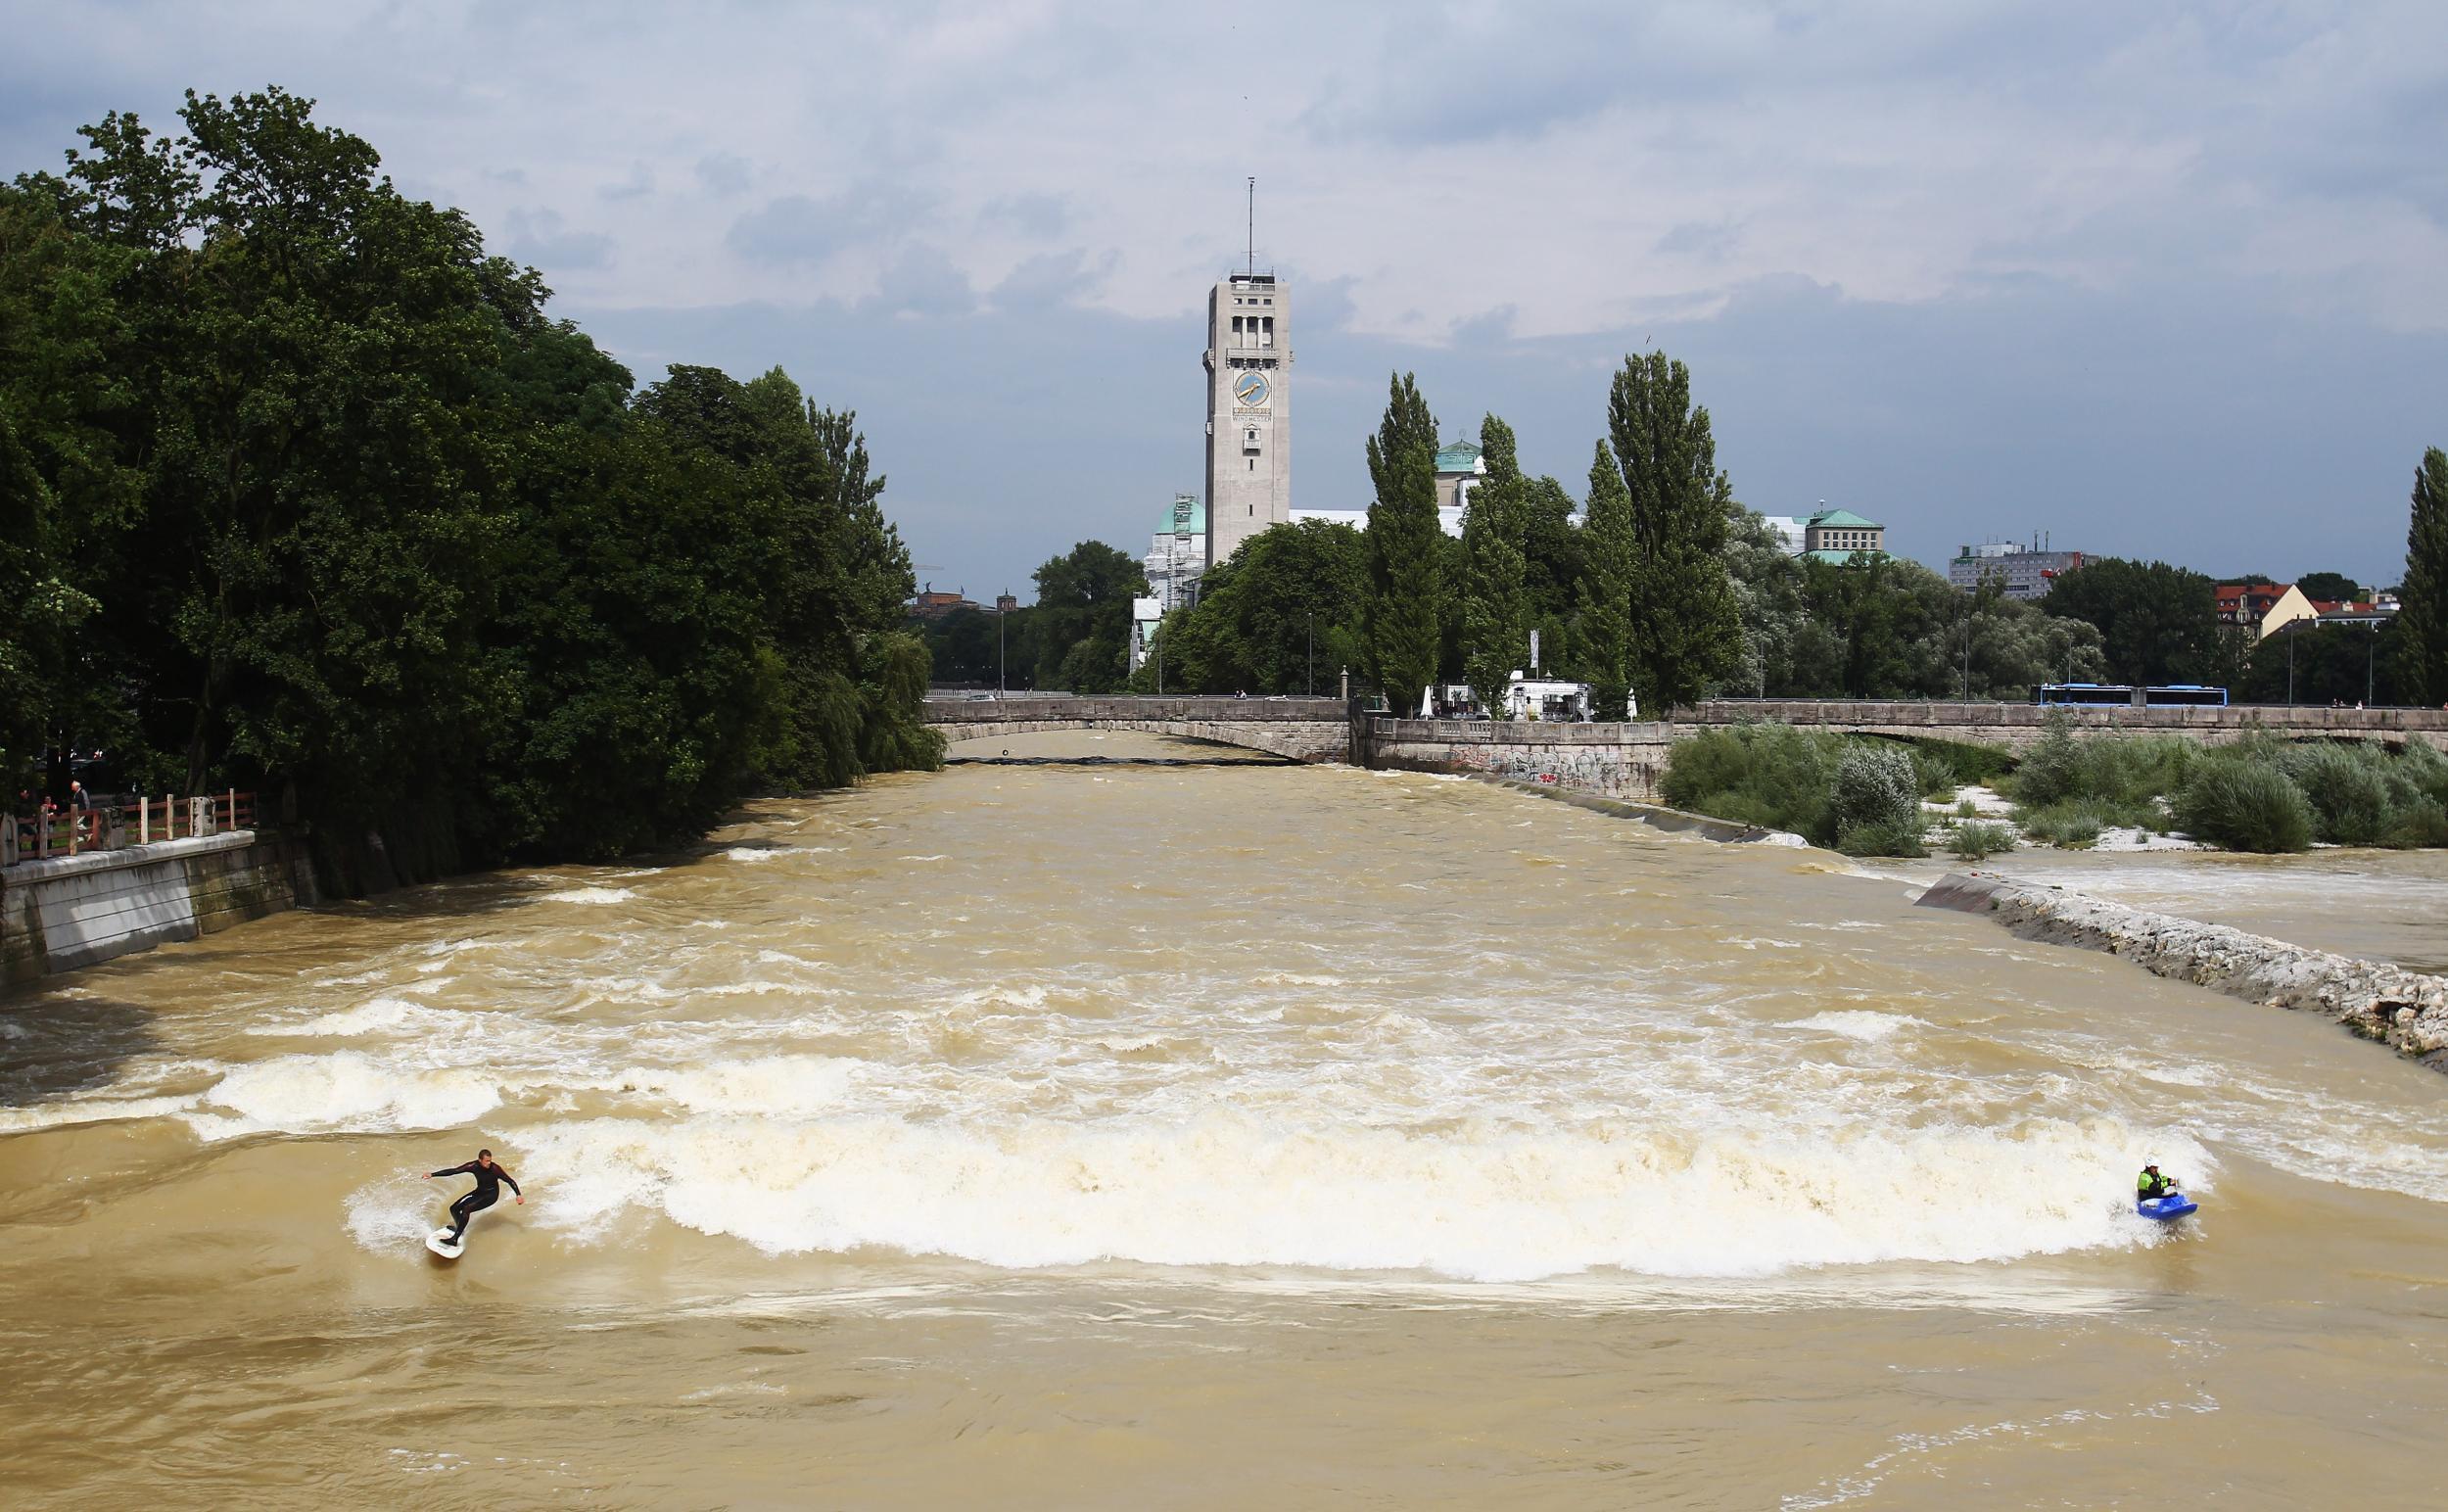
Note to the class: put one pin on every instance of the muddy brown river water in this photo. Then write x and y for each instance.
(1203, 1136)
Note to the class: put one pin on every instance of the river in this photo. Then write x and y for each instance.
(1209, 1137)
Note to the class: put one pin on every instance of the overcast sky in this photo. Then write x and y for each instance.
(2164, 279)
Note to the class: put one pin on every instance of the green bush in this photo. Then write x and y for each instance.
(2426, 770)
(2419, 825)
(2053, 769)
(1875, 788)
(1933, 774)
(1980, 841)
(1773, 776)
(1888, 839)
(1986, 765)
(2069, 825)
(2244, 804)
(2348, 788)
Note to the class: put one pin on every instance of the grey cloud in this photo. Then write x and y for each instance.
(637, 185)
(724, 172)
(1037, 215)
(1055, 278)
(1486, 330)
(922, 281)
(799, 230)
(537, 237)
(1709, 241)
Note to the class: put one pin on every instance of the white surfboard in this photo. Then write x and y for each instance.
(438, 1242)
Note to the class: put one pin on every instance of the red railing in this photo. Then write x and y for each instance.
(115, 826)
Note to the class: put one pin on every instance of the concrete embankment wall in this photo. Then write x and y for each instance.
(2408, 1010)
(1676, 821)
(1612, 761)
(72, 911)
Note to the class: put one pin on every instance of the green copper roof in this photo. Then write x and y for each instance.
(1171, 522)
(1459, 457)
(1844, 519)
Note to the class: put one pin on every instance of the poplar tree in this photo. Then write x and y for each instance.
(1495, 608)
(1605, 633)
(1686, 631)
(2422, 601)
(1405, 573)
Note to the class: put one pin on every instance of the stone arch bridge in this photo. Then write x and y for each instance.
(1623, 760)
(1295, 729)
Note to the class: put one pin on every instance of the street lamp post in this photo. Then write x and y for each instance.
(1313, 653)
(1967, 651)
(999, 685)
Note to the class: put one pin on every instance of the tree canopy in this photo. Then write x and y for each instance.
(1408, 587)
(301, 490)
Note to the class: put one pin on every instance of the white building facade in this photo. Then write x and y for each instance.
(1177, 555)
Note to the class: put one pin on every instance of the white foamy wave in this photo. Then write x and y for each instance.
(394, 1212)
(1478, 1203)
(750, 853)
(89, 1110)
(345, 1090)
(588, 895)
(381, 1015)
(1869, 1026)
(778, 1085)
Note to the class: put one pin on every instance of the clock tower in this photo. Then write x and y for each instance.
(1249, 362)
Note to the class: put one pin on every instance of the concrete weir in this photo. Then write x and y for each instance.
(2407, 1010)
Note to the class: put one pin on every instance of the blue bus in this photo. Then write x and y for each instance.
(2124, 695)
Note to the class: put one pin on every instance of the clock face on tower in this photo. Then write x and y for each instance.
(1249, 390)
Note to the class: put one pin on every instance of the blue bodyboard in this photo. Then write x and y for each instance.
(2164, 1208)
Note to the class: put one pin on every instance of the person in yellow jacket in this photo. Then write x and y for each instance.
(2150, 1183)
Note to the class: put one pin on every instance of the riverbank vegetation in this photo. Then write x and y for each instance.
(1854, 793)
(1869, 797)
(303, 491)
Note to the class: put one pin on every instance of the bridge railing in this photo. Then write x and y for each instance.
(70, 831)
(1937, 714)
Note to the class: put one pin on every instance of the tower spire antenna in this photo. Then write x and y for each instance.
(1252, 266)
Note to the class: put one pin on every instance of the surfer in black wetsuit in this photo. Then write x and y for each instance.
(488, 1179)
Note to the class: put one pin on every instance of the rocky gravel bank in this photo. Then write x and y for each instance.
(2407, 1010)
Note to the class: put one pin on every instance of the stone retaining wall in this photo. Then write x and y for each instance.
(2408, 1010)
(1612, 761)
(72, 911)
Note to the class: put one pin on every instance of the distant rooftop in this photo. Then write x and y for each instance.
(1459, 456)
(1844, 519)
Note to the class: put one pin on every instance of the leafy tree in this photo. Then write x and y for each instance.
(1495, 604)
(300, 490)
(2306, 662)
(1685, 630)
(1610, 565)
(1551, 567)
(2422, 602)
(2330, 586)
(1079, 638)
(2157, 622)
(1407, 578)
(1880, 627)
(1280, 616)
(964, 650)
